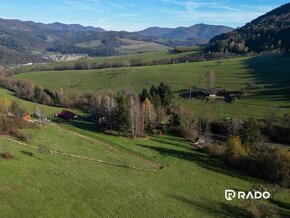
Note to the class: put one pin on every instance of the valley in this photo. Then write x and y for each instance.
(160, 122)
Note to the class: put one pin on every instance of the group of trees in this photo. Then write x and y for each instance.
(27, 90)
(243, 148)
(11, 119)
(160, 96)
(107, 47)
(90, 65)
(102, 50)
(127, 113)
(268, 33)
(124, 113)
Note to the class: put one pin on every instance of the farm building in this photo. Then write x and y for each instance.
(199, 93)
(68, 115)
(217, 94)
(26, 117)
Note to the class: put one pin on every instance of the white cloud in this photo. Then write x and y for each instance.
(213, 12)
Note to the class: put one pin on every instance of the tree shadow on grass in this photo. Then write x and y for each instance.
(170, 142)
(282, 204)
(79, 123)
(214, 208)
(199, 158)
(29, 154)
(271, 71)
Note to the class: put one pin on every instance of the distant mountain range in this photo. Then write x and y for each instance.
(199, 33)
(30, 25)
(27, 41)
(267, 33)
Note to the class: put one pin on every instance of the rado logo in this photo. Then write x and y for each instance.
(255, 195)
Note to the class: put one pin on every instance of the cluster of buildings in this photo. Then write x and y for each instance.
(213, 94)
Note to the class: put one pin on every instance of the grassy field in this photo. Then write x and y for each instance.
(90, 44)
(190, 185)
(134, 47)
(271, 72)
(146, 56)
(131, 47)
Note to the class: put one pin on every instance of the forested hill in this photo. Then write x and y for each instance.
(23, 41)
(269, 32)
(26, 41)
(199, 33)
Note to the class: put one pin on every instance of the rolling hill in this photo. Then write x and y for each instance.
(33, 26)
(270, 72)
(19, 40)
(269, 32)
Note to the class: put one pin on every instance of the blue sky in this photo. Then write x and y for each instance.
(134, 15)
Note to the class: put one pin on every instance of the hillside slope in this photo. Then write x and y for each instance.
(19, 40)
(271, 72)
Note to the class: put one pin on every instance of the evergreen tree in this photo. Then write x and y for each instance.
(144, 94)
(156, 100)
(37, 96)
(165, 94)
(251, 132)
(122, 115)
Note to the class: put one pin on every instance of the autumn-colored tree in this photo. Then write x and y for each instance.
(151, 115)
(4, 105)
(235, 149)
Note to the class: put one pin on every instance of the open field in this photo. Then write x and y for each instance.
(190, 184)
(90, 44)
(270, 72)
(146, 56)
(36, 184)
(141, 46)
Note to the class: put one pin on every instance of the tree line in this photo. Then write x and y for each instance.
(89, 65)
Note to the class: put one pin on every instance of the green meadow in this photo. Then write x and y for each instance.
(141, 56)
(178, 180)
(270, 72)
(191, 184)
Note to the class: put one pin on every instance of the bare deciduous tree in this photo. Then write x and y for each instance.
(211, 80)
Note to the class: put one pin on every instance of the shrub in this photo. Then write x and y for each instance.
(5, 154)
(258, 209)
(19, 135)
(250, 134)
(216, 150)
(234, 149)
(281, 167)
